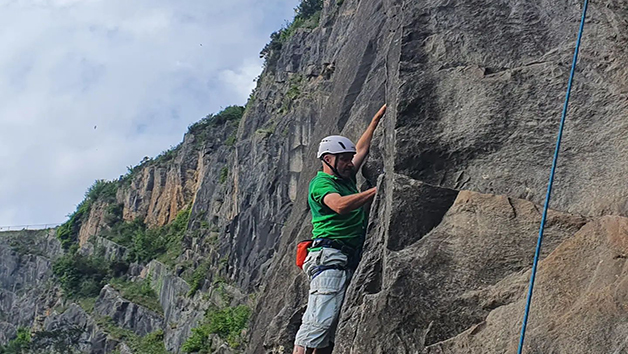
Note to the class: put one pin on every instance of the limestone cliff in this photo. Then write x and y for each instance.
(461, 159)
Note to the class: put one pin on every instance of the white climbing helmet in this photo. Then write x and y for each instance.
(335, 144)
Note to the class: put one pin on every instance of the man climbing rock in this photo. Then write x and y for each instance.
(339, 226)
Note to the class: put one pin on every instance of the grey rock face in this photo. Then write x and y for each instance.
(480, 94)
(474, 94)
(580, 294)
(104, 248)
(8, 331)
(26, 291)
(26, 258)
(181, 313)
(127, 314)
(76, 329)
(436, 287)
(110, 250)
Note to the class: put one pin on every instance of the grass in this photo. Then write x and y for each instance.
(198, 277)
(268, 130)
(124, 232)
(151, 343)
(202, 128)
(294, 91)
(224, 173)
(139, 292)
(144, 244)
(81, 276)
(87, 304)
(106, 324)
(231, 140)
(227, 323)
(26, 242)
(220, 286)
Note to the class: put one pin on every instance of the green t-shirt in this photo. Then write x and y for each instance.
(351, 227)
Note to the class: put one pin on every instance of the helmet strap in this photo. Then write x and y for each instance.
(333, 168)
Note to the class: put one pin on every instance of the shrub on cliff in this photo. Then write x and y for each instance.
(20, 344)
(101, 190)
(227, 323)
(81, 276)
(163, 243)
(229, 114)
(307, 15)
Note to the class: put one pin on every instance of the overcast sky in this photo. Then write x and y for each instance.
(89, 87)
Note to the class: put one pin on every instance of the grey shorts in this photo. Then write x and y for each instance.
(327, 291)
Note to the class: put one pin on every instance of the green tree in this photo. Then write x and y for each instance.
(20, 344)
(81, 276)
(308, 8)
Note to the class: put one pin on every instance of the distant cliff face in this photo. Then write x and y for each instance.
(474, 92)
(27, 294)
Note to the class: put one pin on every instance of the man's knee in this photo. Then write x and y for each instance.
(326, 350)
(302, 350)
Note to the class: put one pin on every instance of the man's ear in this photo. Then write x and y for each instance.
(327, 158)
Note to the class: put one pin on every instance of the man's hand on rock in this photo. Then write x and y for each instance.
(380, 113)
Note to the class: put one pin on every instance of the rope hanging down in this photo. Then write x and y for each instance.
(551, 179)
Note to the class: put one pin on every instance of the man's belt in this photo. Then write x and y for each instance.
(317, 270)
(336, 244)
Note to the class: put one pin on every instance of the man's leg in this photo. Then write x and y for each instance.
(326, 350)
(321, 315)
(302, 350)
(316, 334)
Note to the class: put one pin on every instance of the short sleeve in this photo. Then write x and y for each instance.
(320, 188)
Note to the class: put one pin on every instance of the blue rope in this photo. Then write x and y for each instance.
(551, 179)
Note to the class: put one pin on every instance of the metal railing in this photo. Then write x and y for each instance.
(29, 227)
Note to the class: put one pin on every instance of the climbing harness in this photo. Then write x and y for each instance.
(332, 243)
(317, 270)
(551, 179)
(307, 245)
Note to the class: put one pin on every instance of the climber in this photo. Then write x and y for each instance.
(339, 226)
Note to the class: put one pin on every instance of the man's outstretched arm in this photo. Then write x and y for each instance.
(362, 148)
(348, 203)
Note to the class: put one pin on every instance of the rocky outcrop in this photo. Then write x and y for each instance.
(579, 303)
(104, 248)
(125, 313)
(109, 250)
(93, 224)
(7, 332)
(480, 91)
(162, 188)
(442, 282)
(74, 328)
(181, 313)
(26, 292)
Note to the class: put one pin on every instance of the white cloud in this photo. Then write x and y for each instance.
(241, 81)
(90, 87)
